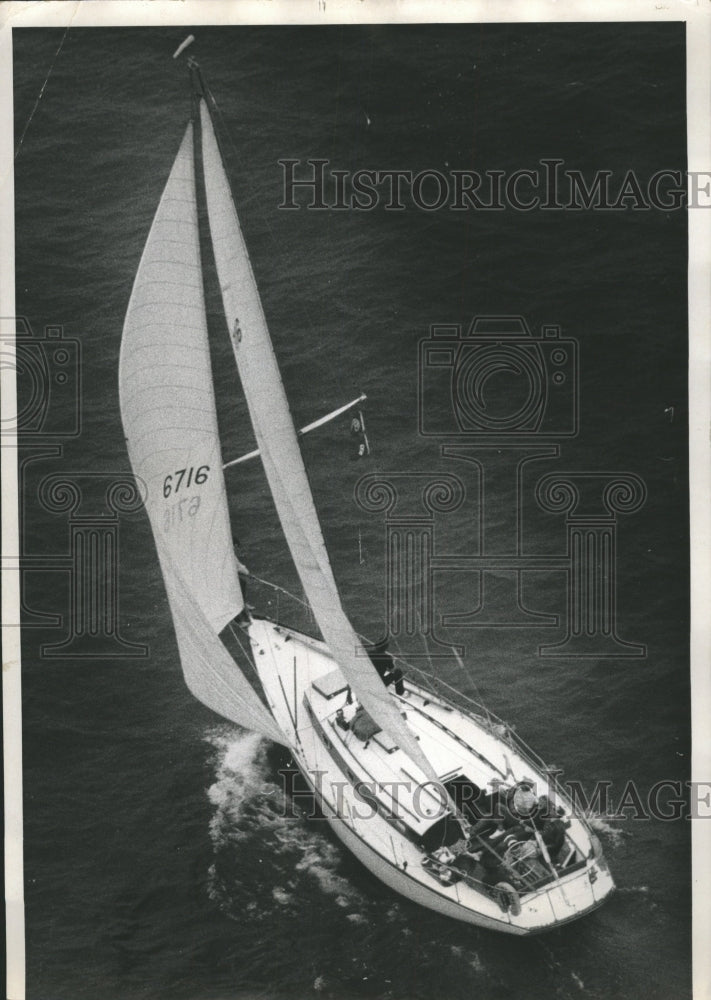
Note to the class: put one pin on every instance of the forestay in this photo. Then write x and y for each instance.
(210, 672)
(170, 422)
(281, 456)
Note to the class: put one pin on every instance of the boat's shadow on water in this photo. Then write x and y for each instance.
(281, 873)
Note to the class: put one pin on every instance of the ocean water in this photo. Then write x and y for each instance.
(162, 858)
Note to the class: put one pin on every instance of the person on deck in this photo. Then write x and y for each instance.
(553, 836)
(385, 665)
(509, 810)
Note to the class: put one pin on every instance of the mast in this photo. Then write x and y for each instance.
(278, 445)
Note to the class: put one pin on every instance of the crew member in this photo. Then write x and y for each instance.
(385, 665)
(509, 810)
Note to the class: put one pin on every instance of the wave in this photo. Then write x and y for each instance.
(257, 837)
(602, 826)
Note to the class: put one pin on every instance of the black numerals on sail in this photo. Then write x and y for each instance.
(185, 478)
(184, 506)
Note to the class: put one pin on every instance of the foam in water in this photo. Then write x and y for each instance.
(601, 825)
(250, 809)
(282, 896)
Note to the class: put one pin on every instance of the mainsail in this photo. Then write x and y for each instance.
(170, 421)
(281, 456)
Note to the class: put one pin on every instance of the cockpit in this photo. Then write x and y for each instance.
(505, 841)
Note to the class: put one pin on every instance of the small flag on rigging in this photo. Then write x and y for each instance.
(360, 436)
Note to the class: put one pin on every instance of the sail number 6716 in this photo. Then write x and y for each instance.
(186, 478)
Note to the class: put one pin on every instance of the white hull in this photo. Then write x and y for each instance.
(421, 894)
(381, 756)
(288, 663)
(415, 891)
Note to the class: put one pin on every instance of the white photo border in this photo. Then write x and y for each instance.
(123, 13)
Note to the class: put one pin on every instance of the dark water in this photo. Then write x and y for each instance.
(158, 861)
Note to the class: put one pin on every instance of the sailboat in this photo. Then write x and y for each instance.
(439, 799)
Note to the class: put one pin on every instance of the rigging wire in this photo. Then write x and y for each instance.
(41, 93)
(236, 636)
(496, 725)
(296, 287)
(225, 131)
(283, 590)
(432, 681)
(474, 684)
